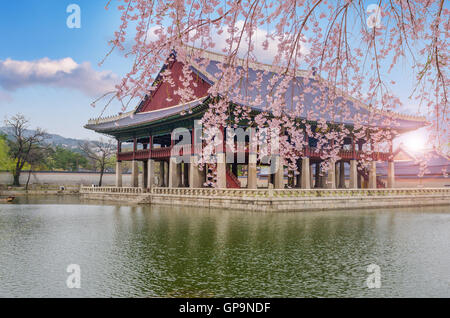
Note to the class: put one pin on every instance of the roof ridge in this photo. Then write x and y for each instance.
(251, 64)
(101, 120)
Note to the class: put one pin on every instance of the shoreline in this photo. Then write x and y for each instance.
(261, 200)
(268, 200)
(23, 193)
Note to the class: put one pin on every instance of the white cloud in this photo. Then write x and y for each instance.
(60, 73)
(259, 37)
(222, 35)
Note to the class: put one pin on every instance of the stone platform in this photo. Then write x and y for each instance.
(273, 200)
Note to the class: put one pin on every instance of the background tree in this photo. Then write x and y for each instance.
(36, 158)
(67, 160)
(22, 143)
(101, 153)
(6, 163)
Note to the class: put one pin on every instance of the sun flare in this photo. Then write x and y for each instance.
(415, 141)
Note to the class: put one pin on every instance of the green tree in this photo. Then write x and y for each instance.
(67, 160)
(6, 163)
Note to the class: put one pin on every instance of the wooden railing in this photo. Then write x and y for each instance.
(348, 154)
(125, 156)
(165, 153)
(161, 153)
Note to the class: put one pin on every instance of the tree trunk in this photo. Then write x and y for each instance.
(16, 175)
(28, 180)
(17, 172)
(101, 177)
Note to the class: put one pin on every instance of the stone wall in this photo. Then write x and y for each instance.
(64, 178)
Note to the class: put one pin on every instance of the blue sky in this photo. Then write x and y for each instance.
(34, 30)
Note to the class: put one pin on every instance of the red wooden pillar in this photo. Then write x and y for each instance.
(193, 150)
(134, 147)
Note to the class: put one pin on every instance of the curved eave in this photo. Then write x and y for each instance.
(138, 120)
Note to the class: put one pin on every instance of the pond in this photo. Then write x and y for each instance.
(155, 251)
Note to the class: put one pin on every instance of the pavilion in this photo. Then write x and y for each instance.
(149, 126)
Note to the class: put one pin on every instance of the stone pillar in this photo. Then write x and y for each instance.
(179, 175)
(151, 173)
(311, 176)
(391, 175)
(166, 173)
(144, 179)
(331, 177)
(162, 174)
(306, 174)
(342, 175)
(221, 171)
(252, 181)
(186, 174)
(195, 175)
(134, 174)
(298, 177)
(372, 175)
(360, 181)
(317, 177)
(279, 173)
(353, 174)
(119, 174)
(298, 180)
(338, 174)
(173, 177)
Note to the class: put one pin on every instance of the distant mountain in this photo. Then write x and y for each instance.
(53, 139)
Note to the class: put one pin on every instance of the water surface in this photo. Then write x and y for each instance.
(143, 251)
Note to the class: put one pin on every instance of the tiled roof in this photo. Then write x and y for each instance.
(352, 112)
(134, 119)
(434, 161)
(331, 113)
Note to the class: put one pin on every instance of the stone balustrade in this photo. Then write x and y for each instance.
(270, 193)
(130, 190)
(273, 200)
(286, 193)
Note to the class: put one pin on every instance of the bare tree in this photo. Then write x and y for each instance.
(23, 144)
(100, 152)
(37, 156)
